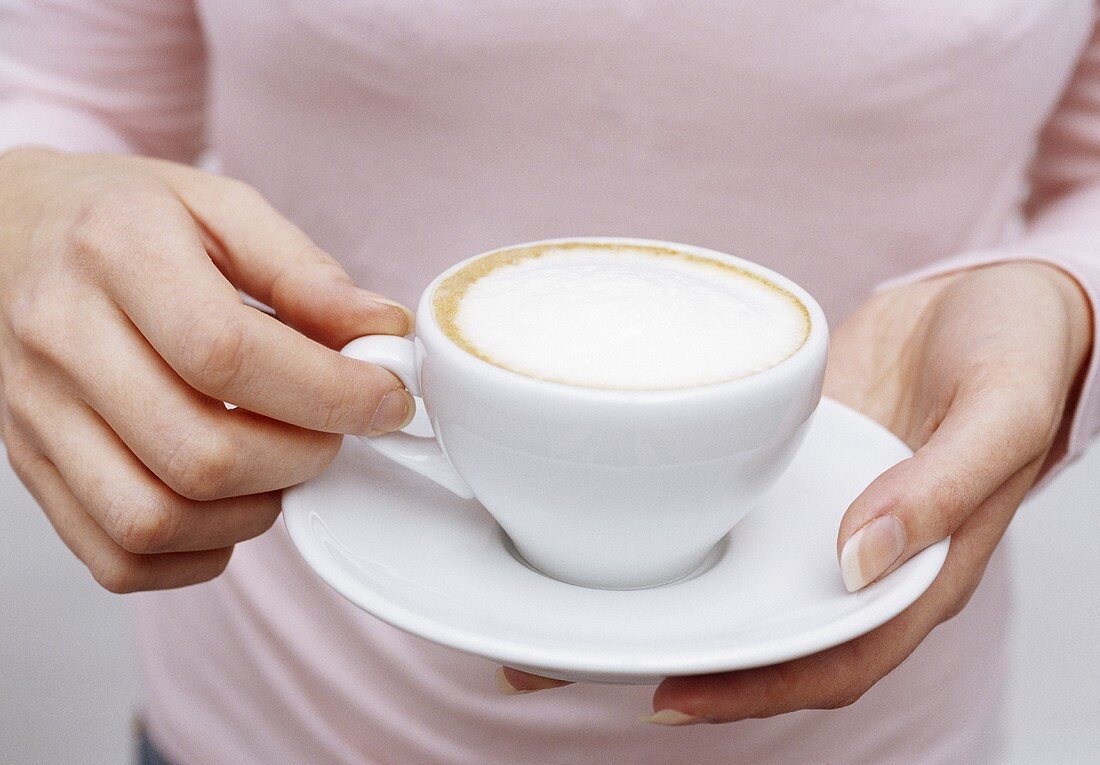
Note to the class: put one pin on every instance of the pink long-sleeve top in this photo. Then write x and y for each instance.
(842, 143)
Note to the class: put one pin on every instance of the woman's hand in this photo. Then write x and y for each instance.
(973, 371)
(121, 335)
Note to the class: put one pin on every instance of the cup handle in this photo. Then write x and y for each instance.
(419, 453)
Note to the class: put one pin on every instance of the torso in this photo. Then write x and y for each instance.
(840, 143)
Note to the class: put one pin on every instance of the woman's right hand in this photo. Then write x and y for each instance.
(121, 335)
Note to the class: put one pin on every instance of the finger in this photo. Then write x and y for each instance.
(831, 679)
(987, 436)
(114, 568)
(274, 261)
(513, 682)
(196, 322)
(136, 510)
(191, 442)
(839, 676)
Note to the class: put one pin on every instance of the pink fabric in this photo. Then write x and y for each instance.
(841, 143)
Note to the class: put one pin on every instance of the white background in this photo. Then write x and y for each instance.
(66, 685)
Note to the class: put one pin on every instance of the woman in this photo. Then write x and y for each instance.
(843, 144)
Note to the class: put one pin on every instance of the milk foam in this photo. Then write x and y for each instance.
(625, 317)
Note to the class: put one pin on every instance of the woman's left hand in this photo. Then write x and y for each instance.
(974, 371)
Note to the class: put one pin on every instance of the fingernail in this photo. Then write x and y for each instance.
(670, 717)
(531, 683)
(506, 687)
(394, 411)
(870, 551)
(409, 316)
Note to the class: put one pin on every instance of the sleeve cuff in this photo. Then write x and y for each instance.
(31, 122)
(1085, 417)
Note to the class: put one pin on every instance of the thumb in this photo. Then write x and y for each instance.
(986, 437)
(271, 259)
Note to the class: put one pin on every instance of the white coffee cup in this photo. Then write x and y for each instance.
(602, 487)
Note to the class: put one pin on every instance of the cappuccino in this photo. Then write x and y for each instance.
(619, 316)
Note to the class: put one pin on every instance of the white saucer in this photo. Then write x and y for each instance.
(416, 556)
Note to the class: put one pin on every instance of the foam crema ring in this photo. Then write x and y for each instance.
(619, 316)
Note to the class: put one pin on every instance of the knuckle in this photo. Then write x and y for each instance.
(143, 523)
(18, 399)
(328, 446)
(22, 421)
(119, 573)
(956, 605)
(267, 522)
(20, 459)
(341, 410)
(200, 464)
(23, 321)
(107, 215)
(311, 265)
(256, 526)
(7, 429)
(1032, 405)
(219, 568)
(954, 499)
(215, 346)
(1038, 429)
(845, 697)
(97, 220)
(935, 507)
(241, 193)
(36, 321)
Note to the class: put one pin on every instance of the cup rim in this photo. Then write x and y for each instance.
(801, 361)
